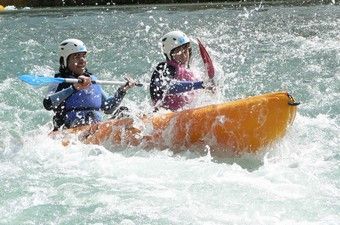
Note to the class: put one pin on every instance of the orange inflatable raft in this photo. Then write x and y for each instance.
(246, 125)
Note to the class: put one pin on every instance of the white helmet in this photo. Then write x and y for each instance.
(173, 40)
(68, 47)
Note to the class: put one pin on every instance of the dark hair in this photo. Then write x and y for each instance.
(62, 67)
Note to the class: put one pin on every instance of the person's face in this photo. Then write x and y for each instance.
(77, 63)
(182, 54)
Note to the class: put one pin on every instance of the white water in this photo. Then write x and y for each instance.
(295, 181)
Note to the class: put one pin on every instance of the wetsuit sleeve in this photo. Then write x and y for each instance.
(109, 104)
(184, 86)
(53, 101)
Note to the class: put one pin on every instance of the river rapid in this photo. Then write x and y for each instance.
(257, 48)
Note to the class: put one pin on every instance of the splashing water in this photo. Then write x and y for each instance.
(256, 49)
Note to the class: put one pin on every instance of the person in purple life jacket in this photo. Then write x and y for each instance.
(172, 82)
(80, 103)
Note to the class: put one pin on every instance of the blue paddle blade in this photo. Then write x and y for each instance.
(36, 80)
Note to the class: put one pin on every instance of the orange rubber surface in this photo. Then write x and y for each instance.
(245, 125)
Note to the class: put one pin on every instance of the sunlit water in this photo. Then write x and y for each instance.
(256, 48)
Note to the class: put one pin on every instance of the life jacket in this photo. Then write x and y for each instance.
(81, 108)
(177, 101)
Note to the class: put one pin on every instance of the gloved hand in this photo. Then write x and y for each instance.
(210, 85)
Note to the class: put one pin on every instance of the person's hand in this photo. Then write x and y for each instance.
(210, 85)
(86, 82)
(130, 83)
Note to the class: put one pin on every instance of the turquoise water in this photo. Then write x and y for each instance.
(256, 48)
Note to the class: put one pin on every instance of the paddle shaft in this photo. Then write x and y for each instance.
(103, 82)
(37, 81)
(73, 81)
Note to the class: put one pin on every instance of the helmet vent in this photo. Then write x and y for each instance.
(63, 44)
(174, 39)
(164, 39)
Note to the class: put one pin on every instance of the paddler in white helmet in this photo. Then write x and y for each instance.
(80, 103)
(172, 82)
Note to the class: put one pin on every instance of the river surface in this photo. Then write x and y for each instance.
(256, 49)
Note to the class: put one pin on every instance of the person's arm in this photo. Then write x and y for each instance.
(53, 101)
(109, 104)
(162, 83)
(177, 87)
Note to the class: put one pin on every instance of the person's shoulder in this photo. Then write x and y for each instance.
(63, 74)
(158, 69)
(161, 66)
(58, 75)
(165, 67)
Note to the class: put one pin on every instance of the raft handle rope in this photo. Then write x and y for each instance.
(292, 101)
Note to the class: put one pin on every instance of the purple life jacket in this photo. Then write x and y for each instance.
(177, 101)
